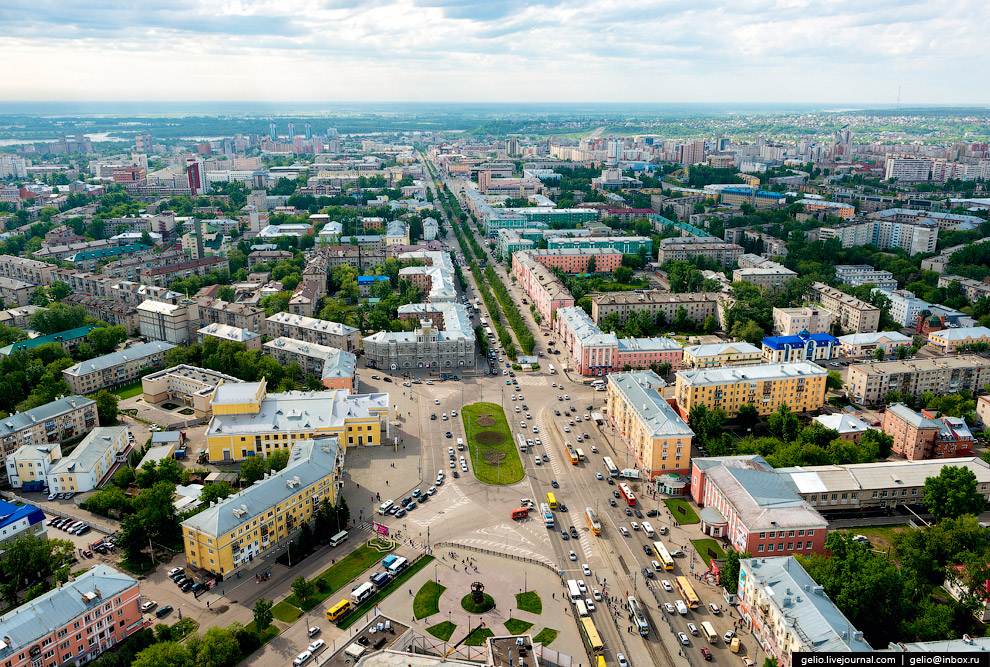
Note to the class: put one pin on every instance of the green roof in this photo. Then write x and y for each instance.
(71, 334)
(108, 252)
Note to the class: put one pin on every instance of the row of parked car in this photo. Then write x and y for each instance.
(185, 584)
(71, 526)
(60, 496)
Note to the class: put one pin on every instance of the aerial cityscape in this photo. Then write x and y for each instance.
(354, 334)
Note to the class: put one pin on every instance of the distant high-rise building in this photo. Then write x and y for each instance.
(192, 173)
(309, 131)
(332, 133)
(142, 143)
(842, 141)
(693, 152)
(292, 131)
(272, 132)
(512, 146)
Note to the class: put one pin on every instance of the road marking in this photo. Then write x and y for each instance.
(460, 501)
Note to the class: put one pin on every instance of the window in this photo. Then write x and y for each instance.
(761, 548)
(811, 532)
(773, 534)
(769, 547)
(790, 546)
(790, 534)
(780, 546)
(801, 533)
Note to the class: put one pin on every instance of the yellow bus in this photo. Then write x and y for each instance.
(599, 661)
(687, 592)
(663, 556)
(591, 635)
(552, 500)
(338, 610)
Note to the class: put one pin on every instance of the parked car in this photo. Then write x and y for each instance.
(164, 611)
(148, 606)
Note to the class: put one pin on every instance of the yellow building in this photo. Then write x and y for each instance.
(248, 422)
(655, 435)
(950, 340)
(716, 355)
(800, 385)
(253, 522)
(89, 465)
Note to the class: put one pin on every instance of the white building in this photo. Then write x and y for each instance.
(861, 274)
(92, 462)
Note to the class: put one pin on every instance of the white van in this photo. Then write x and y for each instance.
(681, 607)
(362, 592)
(385, 507)
(582, 608)
(648, 529)
(460, 444)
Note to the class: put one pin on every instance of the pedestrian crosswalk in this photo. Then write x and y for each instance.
(449, 497)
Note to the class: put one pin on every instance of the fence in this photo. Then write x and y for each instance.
(489, 552)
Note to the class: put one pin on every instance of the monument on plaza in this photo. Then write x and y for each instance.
(478, 593)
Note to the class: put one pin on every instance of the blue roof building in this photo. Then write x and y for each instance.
(803, 347)
(67, 339)
(17, 520)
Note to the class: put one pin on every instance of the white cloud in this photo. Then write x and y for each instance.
(480, 50)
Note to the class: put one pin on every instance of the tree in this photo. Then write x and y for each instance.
(146, 238)
(623, 275)
(214, 492)
(834, 381)
(218, 648)
(706, 424)
(749, 331)
(263, 614)
(729, 577)
(39, 297)
(878, 354)
(27, 558)
(882, 442)
(303, 588)
(710, 325)
(953, 493)
(592, 264)
(278, 459)
(253, 468)
(106, 407)
(747, 415)
(783, 423)
(163, 654)
(59, 289)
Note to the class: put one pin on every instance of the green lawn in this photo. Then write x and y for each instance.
(269, 634)
(676, 505)
(703, 546)
(358, 613)
(340, 574)
(495, 458)
(128, 390)
(529, 601)
(478, 637)
(286, 612)
(442, 630)
(487, 604)
(517, 627)
(881, 537)
(546, 636)
(427, 600)
(183, 628)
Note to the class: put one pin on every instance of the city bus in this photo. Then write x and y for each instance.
(520, 513)
(573, 591)
(551, 500)
(639, 618)
(580, 455)
(551, 369)
(591, 636)
(547, 515)
(627, 494)
(572, 454)
(663, 556)
(709, 632)
(612, 470)
(600, 661)
(593, 522)
(338, 610)
(522, 443)
(687, 592)
(338, 538)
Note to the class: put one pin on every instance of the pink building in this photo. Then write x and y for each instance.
(576, 260)
(541, 285)
(745, 500)
(596, 353)
(73, 623)
(924, 435)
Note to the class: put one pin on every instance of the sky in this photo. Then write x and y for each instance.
(651, 51)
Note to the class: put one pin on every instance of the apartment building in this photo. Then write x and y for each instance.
(444, 340)
(973, 289)
(28, 270)
(132, 268)
(172, 323)
(15, 292)
(850, 313)
(115, 369)
(687, 248)
(947, 341)
(247, 421)
(541, 285)
(861, 274)
(111, 312)
(803, 347)
(435, 280)
(187, 385)
(844, 211)
(239, 315)
(657, 438)
(788, 612)
(698, 306)
(28, 465)
(50, 424)
(768, 276)
(92, 463)
(869, 383)
(792, 321)
(873, 487)
(69, 340)
(627, 245)
(163, 276)
(848, 427)
(305, 298)
(73, 623)
(19, 317)
(272, 257)
(800, 385)
(256, 521)
(717, 355)
(20, 520)
(576, 260)
(906, 169)
(746, 502)
(134, 294)
(905, 307)
(312, 330)
(919, 235)
(90, 260)
(867, 344)
(227, 333)
(334, 367)
(925, 435)
(59, 252)
(596, 353)
(920, 215)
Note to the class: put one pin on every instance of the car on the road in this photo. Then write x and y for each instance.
(444, 416)
(621, 660)
(611, 501)
(663, 530)
(611, 482)
(529, 416)
(554, 484)
(164, 611)
(624, 531)
(648, 573)
(597, 595)
(586, 569)
(684, 638)
(316, 646)
(517, 407)
(399, 513)
(431, 491)
(594, 450)
(628, 511)
(599, 477)
(429, 382)
(706, 654)
(580, 439)
(546, 459)
(433, 416)
(567, 429)
(464, 467)
(449, 434)
(729, 634)
(666, 585)
(670, 608)
(639, 515)
(436, 401)
(573, 531)
(313, 631)
(647, 549)
(562, 507)
(376, 377)
(302, 658)
(677, 553)
(522, 425)
(418, 492)
(651, 513)
(453, 413)
(693, 629)
(582, 586)
(572, 555)
(453, 464)
(615, 492)
(590, 604)
(564, 535)
(186, 587)
(634, 525)
(556, 412)
(567, 398)
(537, 460)
(714, 608)
(539, 443)
(536, 429)
(52, 496)
(148, 606)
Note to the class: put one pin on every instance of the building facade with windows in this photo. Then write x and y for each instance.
(19, 520)
(115, 369)
(312, 330)
(717, 355)
(925, 435)
(803, 347)
(596, 353)
(658, 439)
(698, 306)
(247, 421)
(188, 385)
(254, 522)
(444, 340)
(792, 321)
(852, 314)
(50, 424)
(800, 385)
(73, 623)
(92, 462)
(869, 383)
(334, 367)
(951, 340)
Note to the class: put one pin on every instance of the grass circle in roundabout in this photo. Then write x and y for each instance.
(489, 438)
(470, 607)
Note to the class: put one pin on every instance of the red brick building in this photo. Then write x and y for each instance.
(924, 435)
